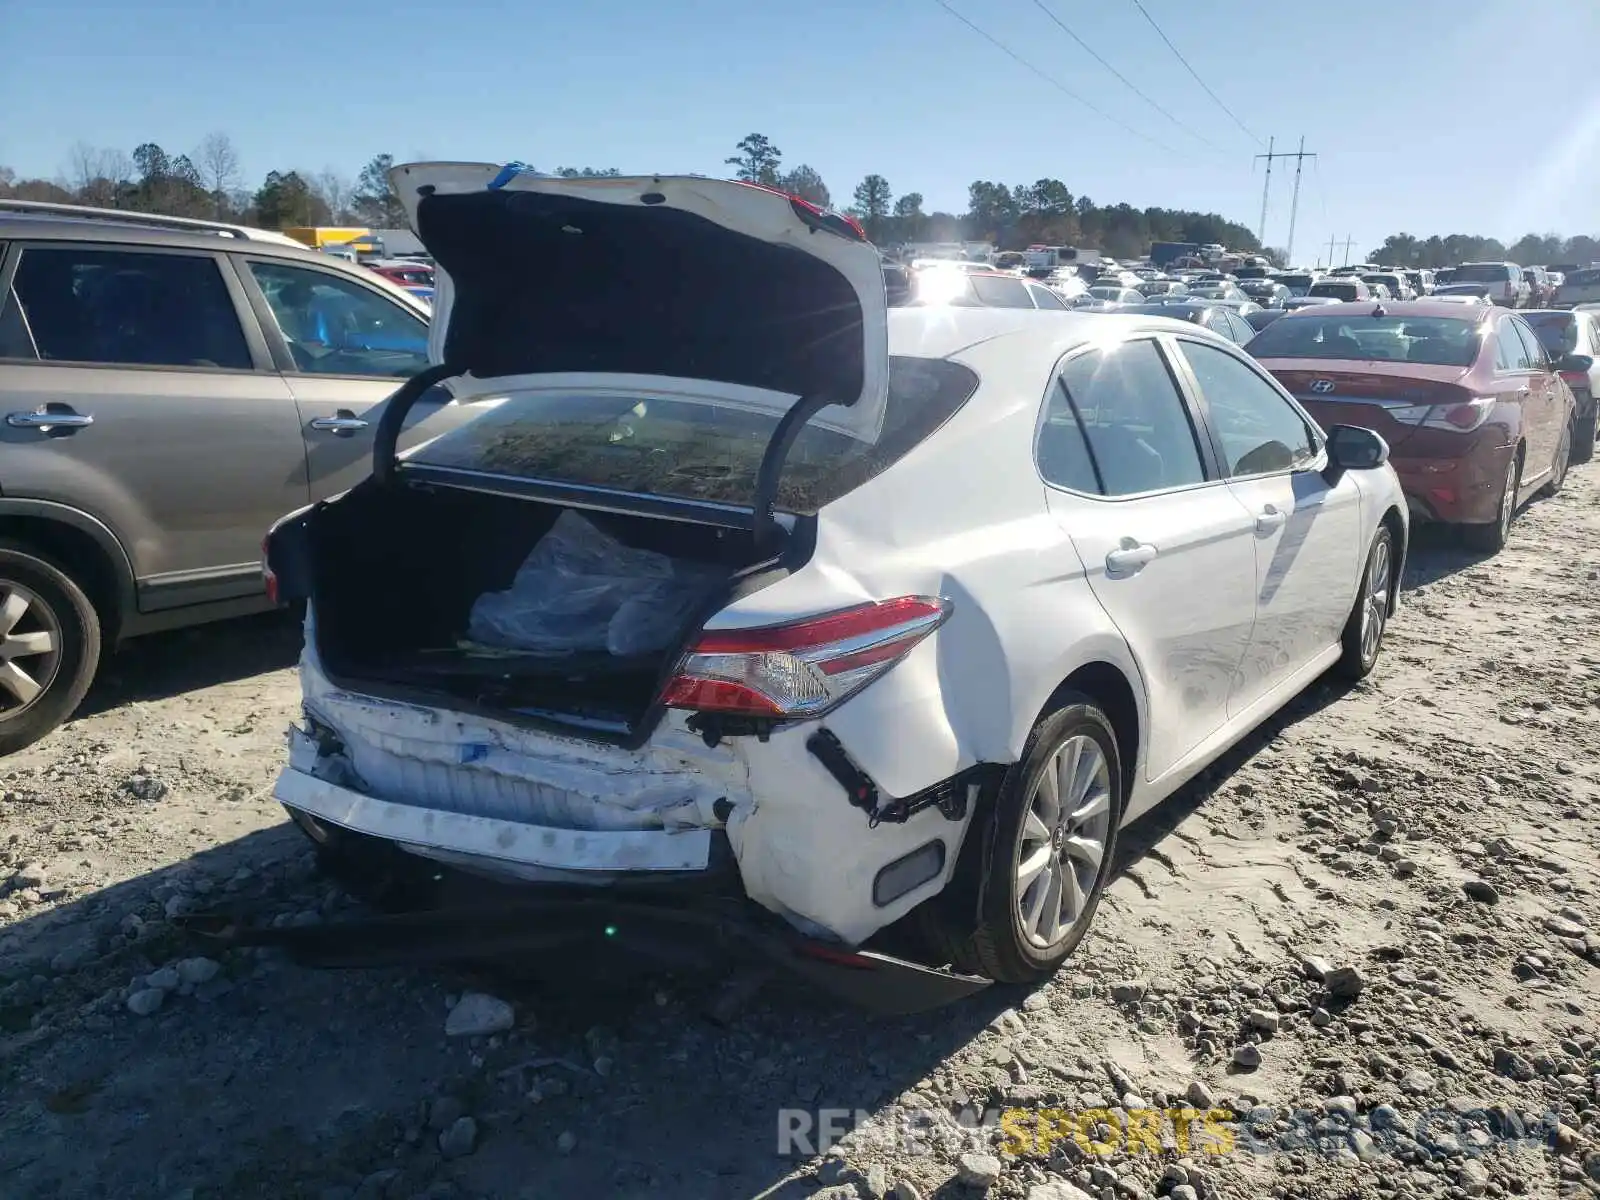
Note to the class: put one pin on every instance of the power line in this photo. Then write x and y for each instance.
(1050, 79)
(1196, 74)
(1090, 51)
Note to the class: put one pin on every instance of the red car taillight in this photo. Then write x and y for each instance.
(1460, 418)
(1577, 379)
(805, 668)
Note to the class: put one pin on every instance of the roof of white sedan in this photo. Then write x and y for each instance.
(936, 332)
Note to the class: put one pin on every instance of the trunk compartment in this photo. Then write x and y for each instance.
(416, 593)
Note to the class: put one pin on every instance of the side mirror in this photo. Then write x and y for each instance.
(1577, 364)
(1352, 448)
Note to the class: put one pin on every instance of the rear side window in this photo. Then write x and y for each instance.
(1115, 425)
(995, 292)
(1510, 353)
(656, 446)
(125, 308)
(1045, 298)
(1558, 332)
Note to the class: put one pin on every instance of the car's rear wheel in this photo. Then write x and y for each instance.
(1369, 617)
(1492, 538)
(1558, 469)
(1583, 432)
(49, 646)
(1054, 835)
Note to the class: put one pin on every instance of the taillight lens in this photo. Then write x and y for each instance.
(266, 570)
(1458, 418)
(1575, 379)
(804, 668)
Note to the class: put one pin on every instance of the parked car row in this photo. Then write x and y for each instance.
(696, 624)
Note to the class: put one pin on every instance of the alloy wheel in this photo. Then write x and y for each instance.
(1508, 500)
(30, 648)
(1063, 842)
(1375, 610)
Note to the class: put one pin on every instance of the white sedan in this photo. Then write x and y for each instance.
(895, 614)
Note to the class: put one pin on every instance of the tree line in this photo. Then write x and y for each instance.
(208, 182)
(1404, 250)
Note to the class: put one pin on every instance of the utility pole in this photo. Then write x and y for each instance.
(1333, 240)
(1261, 230)
(1299, 157)
(1294, 205)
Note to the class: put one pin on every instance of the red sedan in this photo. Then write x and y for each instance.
(1475, 411)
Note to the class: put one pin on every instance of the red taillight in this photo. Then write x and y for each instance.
(804, 668)
(1575, 379)
(1460, 418)
(266, 570)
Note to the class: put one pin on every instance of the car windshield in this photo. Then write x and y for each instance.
(1486, 273)
(1557, 331)
(1433, 341)
(653, 445)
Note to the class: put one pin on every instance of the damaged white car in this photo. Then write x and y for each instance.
(748, 586)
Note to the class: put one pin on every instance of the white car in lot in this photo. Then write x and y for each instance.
(885, 613)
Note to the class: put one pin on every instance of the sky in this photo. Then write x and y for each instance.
(1426, 116)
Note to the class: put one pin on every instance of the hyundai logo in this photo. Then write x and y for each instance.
(1322, 387)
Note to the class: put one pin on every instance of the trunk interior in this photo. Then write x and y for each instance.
(397, 575)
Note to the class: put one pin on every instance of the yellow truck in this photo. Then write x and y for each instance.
(333, 239)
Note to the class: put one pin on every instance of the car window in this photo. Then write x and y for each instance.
(996, 291)
(1557, 331)
(1510, 353)
(1243, 331)
(1537, 358)
(659, 446)
(1045, 298)
(1115, 425)
(123, 308)
(334, 326)
(1260, 431)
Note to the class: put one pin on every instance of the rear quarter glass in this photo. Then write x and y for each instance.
(681, 449)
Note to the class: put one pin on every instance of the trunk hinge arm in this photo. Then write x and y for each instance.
(386, 438)
(772, 460)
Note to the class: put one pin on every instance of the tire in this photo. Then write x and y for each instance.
(1583, 433)
(1000, 945)
(1492, 538)
(1558, 469)
(43, 605)
(1369, 616)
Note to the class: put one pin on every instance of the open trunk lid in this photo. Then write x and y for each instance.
(734, 294)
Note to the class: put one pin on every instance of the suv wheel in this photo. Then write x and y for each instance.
(49, 646)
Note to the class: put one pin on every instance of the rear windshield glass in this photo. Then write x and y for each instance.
(1488, 273)
(1585, 278)
(1294, 281)
(1344, 291)
(1557, 331)
(665, 447)
(1433, 341)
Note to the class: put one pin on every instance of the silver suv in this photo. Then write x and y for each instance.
(169, 389)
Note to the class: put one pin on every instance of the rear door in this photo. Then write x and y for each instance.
(1521, 379)
(1168, 548)
(135, 387)
(343, 348)
(1308, 534)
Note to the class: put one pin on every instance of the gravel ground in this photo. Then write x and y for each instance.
(1372, 932)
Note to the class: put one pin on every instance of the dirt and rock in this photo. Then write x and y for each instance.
(1360, 958)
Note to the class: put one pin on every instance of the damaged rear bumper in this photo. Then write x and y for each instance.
(439, 914)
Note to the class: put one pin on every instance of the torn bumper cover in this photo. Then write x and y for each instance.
(440, 914)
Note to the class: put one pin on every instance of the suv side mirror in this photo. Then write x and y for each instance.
(1576, 364)
(1352, 448)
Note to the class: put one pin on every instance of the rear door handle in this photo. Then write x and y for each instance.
(48, 417)
(1270, 519)
(344, 423)
(1130, 559)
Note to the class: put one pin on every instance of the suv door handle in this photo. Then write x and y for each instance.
(49, 416)
(344, 423)
(1130, 559)
(1270, 519)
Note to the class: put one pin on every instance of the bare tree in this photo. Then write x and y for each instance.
(218, 163)
(335, 191)
(88, 177)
